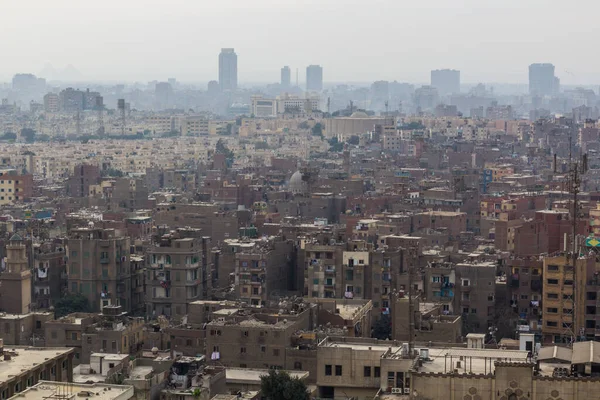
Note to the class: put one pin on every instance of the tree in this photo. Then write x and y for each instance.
(382, 329)
(354, 140)
(335, 144)
(9, 136)
(220, 148)
(303, 125)
(28, 134)
(71, 303)
(317, 130)
(279, 385)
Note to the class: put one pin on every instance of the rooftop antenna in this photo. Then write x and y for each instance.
(329, 105)
(576, 170)
(387, 108)
(351, 107)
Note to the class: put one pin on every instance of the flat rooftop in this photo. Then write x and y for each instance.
(252, 376)
(48, 390)
(477, 361)
(27, 358)
(347, 311)
(359, 346)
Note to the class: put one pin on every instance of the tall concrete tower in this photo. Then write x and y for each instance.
(228, 74)
(15, 281)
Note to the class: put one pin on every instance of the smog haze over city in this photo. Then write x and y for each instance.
(299, 200)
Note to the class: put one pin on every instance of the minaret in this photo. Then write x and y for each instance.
(15, 281)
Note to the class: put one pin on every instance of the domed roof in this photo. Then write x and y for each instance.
(297, 183)
(359, 114)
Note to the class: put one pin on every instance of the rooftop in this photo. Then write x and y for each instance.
(465, 360)
(46, 390)
(24, 359)
(252, 376)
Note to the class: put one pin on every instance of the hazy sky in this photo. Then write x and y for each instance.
(127, 40)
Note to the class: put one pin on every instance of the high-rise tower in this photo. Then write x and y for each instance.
(228, 70)
(286, 77)
(314, 78)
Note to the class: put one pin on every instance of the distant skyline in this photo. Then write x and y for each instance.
(154, 40)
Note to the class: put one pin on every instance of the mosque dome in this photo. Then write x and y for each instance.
(297, 184)
(359, 114)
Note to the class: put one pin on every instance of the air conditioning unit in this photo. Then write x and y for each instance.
(406, 390)
(396, 390)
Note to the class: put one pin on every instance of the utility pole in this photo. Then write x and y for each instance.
(411, 304)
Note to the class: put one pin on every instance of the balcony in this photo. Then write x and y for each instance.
(104, 260)
(329, 271)
(465, 288)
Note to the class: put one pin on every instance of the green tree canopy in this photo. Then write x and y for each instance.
(354, 140)
(382, 329)
(71, 303)
(317, 130)
(28, 134)
(279, 385)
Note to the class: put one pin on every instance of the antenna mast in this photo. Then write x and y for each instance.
(576, 170)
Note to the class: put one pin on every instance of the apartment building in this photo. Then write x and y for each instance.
(23, 367)
(264, 269)
(24, 329)
(111, 331)
(99, 266)
(256, 337)
(359, 368)
(178, 273)
(475, 290)
(432, 323)
(49, 274)
(562, 321)
(15, 187)
(194, 126)
(84, 176)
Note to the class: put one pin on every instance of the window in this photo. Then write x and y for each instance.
(367, 372)
(465, 310)
(465, 282)
(316, 281)
(297, 365)
(276, 352)
(435, 279)
(524, 297)
(327, 370)
(553, 295)
(552, 281)
(377, 372)
(568, 282)
(473, 311)
(245, 333)
(552, 310)
(73, 335)
(242, 350)
(263, 349)
(552, 267)
(338, 370)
